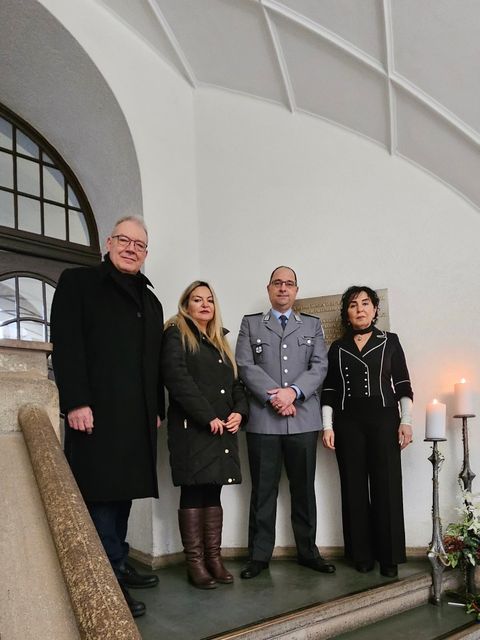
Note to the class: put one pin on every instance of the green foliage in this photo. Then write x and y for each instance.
(462, 538)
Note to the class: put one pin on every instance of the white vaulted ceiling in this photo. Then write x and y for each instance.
(403, 73)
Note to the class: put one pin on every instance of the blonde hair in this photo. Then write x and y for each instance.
(214, 331)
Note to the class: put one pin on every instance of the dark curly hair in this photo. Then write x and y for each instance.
(350, 294)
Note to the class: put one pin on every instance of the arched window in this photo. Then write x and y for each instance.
(25, 302)
(43, 208)
(46, 225)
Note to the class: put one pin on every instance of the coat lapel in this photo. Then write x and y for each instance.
(270, 321)
(293, 324)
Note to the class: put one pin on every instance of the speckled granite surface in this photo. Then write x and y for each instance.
(97, 602)
(34, 601)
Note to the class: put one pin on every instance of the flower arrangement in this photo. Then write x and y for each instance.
(462, 538)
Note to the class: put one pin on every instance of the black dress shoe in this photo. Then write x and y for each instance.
(129, 577)
(317, 564)
(136, 607)
(253, 568)
(364, 567)
(389, 570)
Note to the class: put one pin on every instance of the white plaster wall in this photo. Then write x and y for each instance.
(275, 188)
(232, 187)
(158, 107)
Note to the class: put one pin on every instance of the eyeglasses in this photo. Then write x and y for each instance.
(288, 283)
(125, 241)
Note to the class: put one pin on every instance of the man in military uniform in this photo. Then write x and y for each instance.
(282, 360)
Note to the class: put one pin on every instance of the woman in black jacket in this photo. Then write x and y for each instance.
(366, 382)
(207, 405)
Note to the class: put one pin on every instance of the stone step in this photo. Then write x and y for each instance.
(344, 614)
(425, 622)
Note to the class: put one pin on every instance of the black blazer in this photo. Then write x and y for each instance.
(378, 371)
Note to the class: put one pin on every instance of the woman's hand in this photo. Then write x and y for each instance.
(405, 435)
(233, 422)
(328, 439)
(216, 426)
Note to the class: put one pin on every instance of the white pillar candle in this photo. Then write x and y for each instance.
(436, 417)
(463, 405)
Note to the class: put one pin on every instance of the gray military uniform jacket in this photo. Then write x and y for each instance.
(269, 357)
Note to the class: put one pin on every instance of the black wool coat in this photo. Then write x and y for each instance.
(106, 354)
(201, 387)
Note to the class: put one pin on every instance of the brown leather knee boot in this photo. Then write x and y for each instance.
(213, 524)
(191, 522)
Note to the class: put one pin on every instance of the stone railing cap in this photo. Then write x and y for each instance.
(29, 345)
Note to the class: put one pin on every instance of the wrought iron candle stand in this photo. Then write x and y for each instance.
(436, 551)
(466, 477)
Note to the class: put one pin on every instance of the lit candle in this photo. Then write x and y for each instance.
(463, 399)
(436, 417)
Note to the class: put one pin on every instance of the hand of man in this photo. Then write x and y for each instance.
(216, 426)
(159, 422)
(233, 422)
(282, 398)
(81, 419)
(288, 411)
(328, 439)
(405, 435)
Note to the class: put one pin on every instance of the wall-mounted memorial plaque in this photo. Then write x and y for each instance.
(327, 308)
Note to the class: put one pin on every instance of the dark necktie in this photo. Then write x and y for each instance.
(283, 321)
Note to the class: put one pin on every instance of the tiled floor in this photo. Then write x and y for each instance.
(178, 611)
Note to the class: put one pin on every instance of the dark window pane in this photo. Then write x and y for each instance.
(6, 170)
(9, 331)
(29, 215)
(5, 134)
(7, 218)
(26, 146)
(72, 198)
(78, 228)
(49, 291)
(28, 176)
(32, 331)
(7, 300)
(46, 158)
(53, 185)
(54, 218)
(31, 298)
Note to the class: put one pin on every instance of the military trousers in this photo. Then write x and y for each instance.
(267, 454)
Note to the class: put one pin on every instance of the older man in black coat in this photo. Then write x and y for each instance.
(106, 329)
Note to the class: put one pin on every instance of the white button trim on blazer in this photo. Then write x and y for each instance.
(346, 388)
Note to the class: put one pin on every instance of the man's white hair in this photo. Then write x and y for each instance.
(137, 219)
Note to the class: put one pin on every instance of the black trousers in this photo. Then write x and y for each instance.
(111, 522)
(369, 461)
(267, 454)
